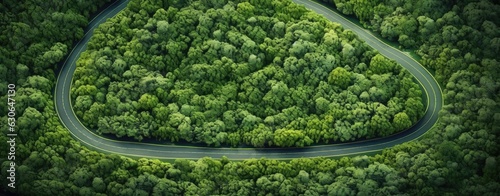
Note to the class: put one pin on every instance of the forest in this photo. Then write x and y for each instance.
(459, 40)
(238, 73)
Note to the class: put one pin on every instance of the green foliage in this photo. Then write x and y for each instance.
(458, 39)
(148, 101)
(286, 138)
(401, 121)
(458, 157)
(237, 73)
(379, 64)
(340, 77)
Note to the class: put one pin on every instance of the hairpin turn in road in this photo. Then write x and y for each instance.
(431, 89)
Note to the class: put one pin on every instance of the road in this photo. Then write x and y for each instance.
(67, 116)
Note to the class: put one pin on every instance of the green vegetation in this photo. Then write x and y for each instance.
(460, 156)
(260, 74)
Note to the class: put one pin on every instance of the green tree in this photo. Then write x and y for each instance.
(401, 121)
(340, 77)
(379, 64)
(148, 101)
(286, 138)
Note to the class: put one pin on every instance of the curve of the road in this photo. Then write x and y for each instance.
(433, 97)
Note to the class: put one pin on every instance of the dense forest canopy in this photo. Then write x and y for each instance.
(459, 156)
(270, 74)
(455, 34)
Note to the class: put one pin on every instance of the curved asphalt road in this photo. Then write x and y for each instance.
(136, 149)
